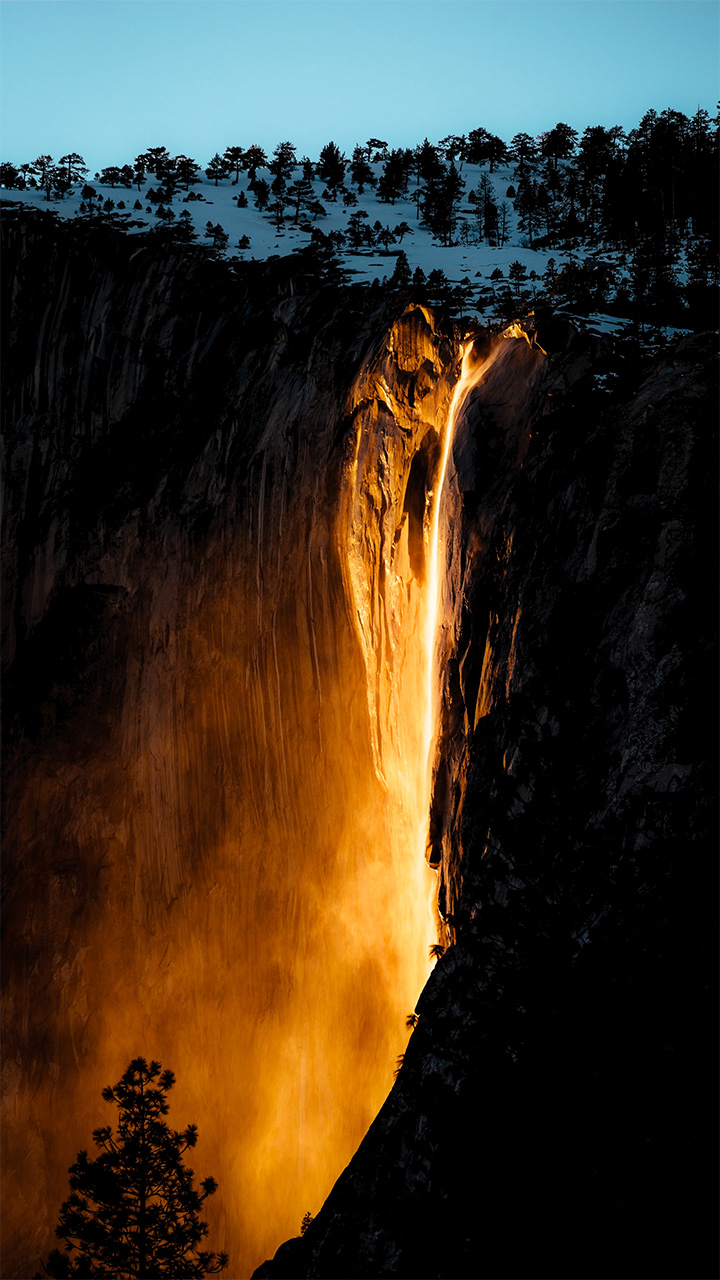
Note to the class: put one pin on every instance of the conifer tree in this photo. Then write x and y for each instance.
(517, 271)
(111, 176)
(357, 232)
(133, 1211)
(74, 167)
(140, 168)
(558, 143)
(217, 168)
(157, 161)
(394, 177)
(235, 160)
(402, 274)
(331, 168)
(360, 171)
(10, 176)
(44, 169)
(187, 171)
(523, 151)
(217, 234)
(497, 151)
(255, 158)
(262, 193)
(284, 160)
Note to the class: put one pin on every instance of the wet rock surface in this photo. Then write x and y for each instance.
(200, 863)
(182, 514)
(555, 1110)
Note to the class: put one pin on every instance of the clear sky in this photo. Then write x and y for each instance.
(109, 78)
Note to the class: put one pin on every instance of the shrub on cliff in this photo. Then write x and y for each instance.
(133, 1211)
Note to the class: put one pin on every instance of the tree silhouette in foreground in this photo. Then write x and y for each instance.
(133, 1211)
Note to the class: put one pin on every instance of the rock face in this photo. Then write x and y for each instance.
(205, 861)
(554, 1115)
(216, 518)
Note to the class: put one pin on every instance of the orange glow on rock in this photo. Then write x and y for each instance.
(226, 874)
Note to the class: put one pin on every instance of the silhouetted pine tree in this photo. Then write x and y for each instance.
(331, 169)
(402, 274)
(360, 171)
(133, 1212)
(217, 168)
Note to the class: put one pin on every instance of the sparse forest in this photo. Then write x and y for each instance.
(602, 221)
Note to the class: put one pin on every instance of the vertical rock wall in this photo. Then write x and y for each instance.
(555, 1114)
(206, 854)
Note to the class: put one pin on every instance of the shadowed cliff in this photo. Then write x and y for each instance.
(555, 1112)
(216, 489)
(202, 861)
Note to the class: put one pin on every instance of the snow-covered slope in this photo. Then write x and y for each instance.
(481, 268)
(461, 260)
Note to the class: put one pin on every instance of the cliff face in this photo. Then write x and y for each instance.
(555, 1111)
(209, 858)
(216, 567)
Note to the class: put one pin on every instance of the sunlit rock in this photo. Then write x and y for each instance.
(222, 499)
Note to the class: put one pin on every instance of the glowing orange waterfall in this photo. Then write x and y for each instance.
(235, 878)
(396, 601)
(469, 375)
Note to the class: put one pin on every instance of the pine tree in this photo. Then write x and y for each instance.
(357, 232)
(441, 198)
(140, 168)
(133, 1211)
(185, 228)
(279, 188)
(517, 272)
(255, 158)
(331, 169)
(217, 168)
(110, 177)
(385, 235)
(284, 160)
(300, 193)
(187, 171)
(477, 145)
(235, 160)
(402, 274)
(427, 162)
(394, 177)
(10, 177)
(523, 151)
(360, 171)
(497, 151)
(376, 150)
(157, 160)
(558, 143)
(44, 169)
(74, 167)
(217, 234)
(262, 193)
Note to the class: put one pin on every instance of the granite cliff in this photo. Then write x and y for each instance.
(555, 1111)
(216, 505)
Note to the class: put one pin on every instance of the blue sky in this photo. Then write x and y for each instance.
(109, 78)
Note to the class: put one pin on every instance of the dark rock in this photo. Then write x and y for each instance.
(215, 485)
(555, 1112)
